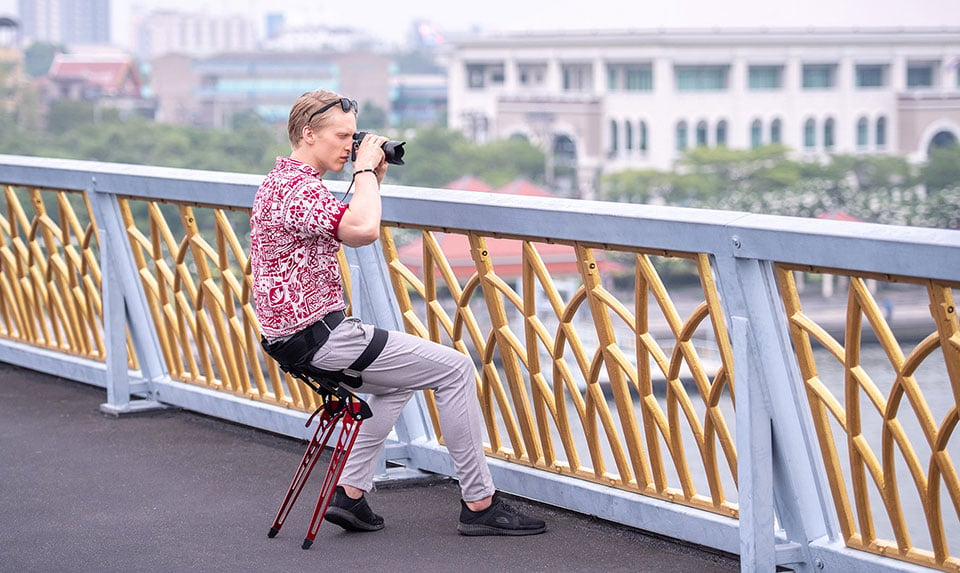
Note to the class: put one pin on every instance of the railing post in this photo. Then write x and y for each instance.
(776, 465)
(375, 302)
(123, 305)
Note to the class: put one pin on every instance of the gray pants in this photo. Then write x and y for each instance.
(407, 364)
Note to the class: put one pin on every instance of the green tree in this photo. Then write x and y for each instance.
(503, 161)
(942, 170)
(636, 185)
(436, 156)
(372, 118)
(38, 57)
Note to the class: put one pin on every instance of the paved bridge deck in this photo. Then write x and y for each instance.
(175, 491)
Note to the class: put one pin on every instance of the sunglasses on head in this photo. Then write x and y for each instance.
(345, 104)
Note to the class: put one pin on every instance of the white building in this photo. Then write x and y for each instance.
(609, 101)
(170, 32)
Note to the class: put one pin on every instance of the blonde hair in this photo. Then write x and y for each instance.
(305, 105)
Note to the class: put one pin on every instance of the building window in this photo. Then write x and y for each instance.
(765, 77)
(475, 77)
(577, 78)
(702, 134)
(681, 135)
(920, 75)
(630, 77)
(481, 75)
(871, 76)
(532, 75)
(776, 127)
(701, 78)
(475, 126)
(639, 79)
(643, 136)
(756, 133)
(881, 137)
(614, 138)
(819, 76)
(828, 132)
(722, 133)
(863, 133)
(810, 134)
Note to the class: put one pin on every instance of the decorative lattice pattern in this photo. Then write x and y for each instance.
(886, 430)
(50, 272)
(571, 379)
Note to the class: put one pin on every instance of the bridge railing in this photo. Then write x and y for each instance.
(724, 409)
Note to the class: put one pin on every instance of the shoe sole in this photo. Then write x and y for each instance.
(348, 521)
(477, 530)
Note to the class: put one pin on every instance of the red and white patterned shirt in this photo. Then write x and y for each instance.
(293, 249)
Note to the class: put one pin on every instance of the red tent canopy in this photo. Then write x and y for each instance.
(838, 215)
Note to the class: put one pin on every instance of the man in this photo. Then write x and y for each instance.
(297, 227)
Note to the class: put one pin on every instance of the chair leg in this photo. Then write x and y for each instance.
(312, 454)
(349, 429)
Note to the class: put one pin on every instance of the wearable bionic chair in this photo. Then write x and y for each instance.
(339, 405)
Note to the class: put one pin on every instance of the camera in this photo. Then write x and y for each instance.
(393, 150)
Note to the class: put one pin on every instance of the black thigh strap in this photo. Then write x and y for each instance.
(370, 353)
(351, 374)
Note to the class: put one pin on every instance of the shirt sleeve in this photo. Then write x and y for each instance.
(312, 210)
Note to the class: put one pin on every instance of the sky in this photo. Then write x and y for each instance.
(390, 19)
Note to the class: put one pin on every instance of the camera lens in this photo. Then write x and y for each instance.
(392, 150)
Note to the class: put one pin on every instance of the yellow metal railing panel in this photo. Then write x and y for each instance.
(874, 464)
(569, 378)
(50, 277)
(196, 275)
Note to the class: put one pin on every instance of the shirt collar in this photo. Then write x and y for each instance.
(286, 163)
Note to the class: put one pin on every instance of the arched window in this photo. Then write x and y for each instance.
(681, 135)
(828, 133)
(810, 133)
(881, 138)
(614, 138)
(702, 134)
(756, 133)
(776, 129)
(942, 140)
(628, 135)
(722, 133)
(643, 136)
(863, 133)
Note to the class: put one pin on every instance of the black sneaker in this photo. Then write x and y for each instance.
(498, 519)
(352, 514)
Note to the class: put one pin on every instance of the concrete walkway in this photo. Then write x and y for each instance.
(175, 491)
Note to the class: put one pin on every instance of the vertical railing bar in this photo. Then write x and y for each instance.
(755, 457)
(114, 326)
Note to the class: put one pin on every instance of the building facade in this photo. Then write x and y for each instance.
(210, 91)
(108, 81)
(69, 22)
(602, 102)
(170, 32)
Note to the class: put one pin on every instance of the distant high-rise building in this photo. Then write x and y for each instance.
(166, 32)
(85, 21)
(275, 24)
(69, 22)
